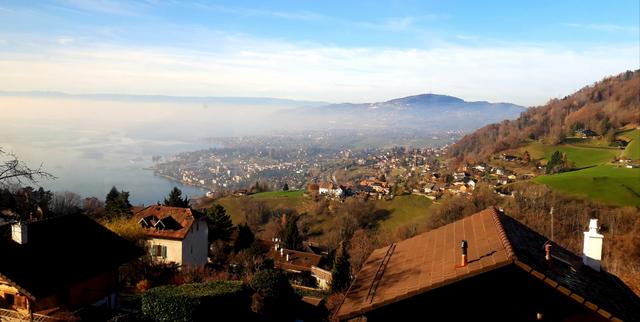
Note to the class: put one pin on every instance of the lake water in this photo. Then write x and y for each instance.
(91, 146)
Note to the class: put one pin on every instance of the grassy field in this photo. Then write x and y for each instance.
(273, 199)
(404, 210)
(632, 151)
(581, 156)
(605, 183)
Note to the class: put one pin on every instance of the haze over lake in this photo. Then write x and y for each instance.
(92, 145)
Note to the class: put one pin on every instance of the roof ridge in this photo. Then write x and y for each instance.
(502, 234)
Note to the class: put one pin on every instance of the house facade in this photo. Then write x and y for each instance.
(175, 235)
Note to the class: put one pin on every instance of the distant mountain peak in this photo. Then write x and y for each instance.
(428, 98)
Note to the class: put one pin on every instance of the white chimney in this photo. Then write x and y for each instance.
(592, 251)
(19, 232)
(287, 257)
(281, 251)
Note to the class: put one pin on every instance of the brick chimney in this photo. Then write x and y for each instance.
(592, 250)
(19, 232)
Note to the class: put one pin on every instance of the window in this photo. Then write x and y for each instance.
(159, 251)
(9, 298)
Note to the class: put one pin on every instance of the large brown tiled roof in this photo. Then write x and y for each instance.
(430, 260)
(425, 262)
(176, 221)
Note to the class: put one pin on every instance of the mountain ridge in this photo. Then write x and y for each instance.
(603, 107)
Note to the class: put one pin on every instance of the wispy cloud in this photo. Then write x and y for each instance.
(248, 12)
(103, 6)
(524, 74)
(406, 23)
(64, 40)
(605, 27)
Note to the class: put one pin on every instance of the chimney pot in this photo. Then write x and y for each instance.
(547, 250)
(19, 232)
(592, 250)
(463, 246)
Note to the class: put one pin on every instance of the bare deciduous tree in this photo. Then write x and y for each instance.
(65, 203)
(14, 171)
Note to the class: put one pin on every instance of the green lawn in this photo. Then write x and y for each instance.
(580, 156)
(404, 210)
(632, 151)
(295, 194)
(273, 199)
(606, 183)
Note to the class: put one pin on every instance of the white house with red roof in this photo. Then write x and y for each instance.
(178, 235)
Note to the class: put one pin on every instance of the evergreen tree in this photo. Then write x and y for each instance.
(245, 237)
(526, 158)
(175, 199)
(219, 222)
(117, 203)
(291, 235)
(340, 275)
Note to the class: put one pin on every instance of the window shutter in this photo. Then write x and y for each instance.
(164, 251)
(21, 301)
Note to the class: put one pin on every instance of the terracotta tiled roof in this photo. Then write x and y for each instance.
(166, 222)
(429, 261)
(425, 262)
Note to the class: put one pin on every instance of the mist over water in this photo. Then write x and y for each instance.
(92, 145)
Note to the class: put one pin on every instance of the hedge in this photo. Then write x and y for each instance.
(196, 302)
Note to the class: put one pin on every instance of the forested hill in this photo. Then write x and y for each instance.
(602, 107)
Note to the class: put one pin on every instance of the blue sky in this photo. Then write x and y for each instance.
(522, 52)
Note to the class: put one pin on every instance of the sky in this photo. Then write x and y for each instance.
(336, 51)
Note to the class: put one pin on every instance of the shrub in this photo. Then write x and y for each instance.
(196, 302)
(273, 293)
(272, 284)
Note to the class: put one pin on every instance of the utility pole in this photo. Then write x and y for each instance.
(551, 212)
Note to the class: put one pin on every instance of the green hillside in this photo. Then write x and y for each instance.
(632, 151)
(273, 199)
(606, 183)
(581, 156)
(404, 210)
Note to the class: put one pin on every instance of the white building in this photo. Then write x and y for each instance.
(175, 234)
(328, 188)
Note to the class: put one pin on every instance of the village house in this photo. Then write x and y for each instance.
(313, 189)
(58, 265)
(299, 262)
(330, 189)
(381, 187)
(585, 133)
(487, 267)
(178, 235)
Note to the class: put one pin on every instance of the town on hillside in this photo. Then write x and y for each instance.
(319, 161)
